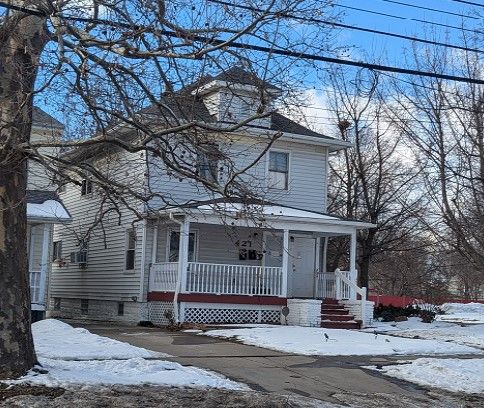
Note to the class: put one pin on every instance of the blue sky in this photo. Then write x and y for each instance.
(382, 45)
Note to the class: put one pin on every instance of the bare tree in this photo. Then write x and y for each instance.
(444, 124)
(115, 69)
(372, 181)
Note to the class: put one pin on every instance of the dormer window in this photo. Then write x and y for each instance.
(278, 176)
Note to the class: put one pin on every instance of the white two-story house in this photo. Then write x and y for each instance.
(201, 258)
(44, 210)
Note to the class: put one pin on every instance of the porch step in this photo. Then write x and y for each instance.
(341, 325)
(337, 317)
(339, 311)
(328, 301)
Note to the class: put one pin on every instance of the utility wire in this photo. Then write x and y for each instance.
(409, 19)
(468, 2)
(356, 28)
(430, 9)
(296, 54)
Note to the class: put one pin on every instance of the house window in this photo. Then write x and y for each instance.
(130, 249)
(86, 187)
(57, 251)
(208, 164)
(84, 306)
(279, 170)
(120, 309)
(80, 257)
(175, 246)
(57, 303)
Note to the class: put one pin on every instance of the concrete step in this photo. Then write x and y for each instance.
(332, 306)
(341, 325)
(340, 311)
(330, 302)
(337, 318)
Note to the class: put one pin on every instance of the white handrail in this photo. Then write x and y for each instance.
(340, 278)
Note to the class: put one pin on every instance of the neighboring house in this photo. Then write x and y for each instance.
(44, 209)
(220, 262)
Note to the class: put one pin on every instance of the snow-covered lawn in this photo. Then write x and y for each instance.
(453, 374)
(462, 313)
(76, 357)
(58, 340)
(312, 341)
(466, 335)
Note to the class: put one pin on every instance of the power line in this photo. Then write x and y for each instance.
(356, 28)
(409, 19)
(429, 9)
(301, 55)
(468, 2)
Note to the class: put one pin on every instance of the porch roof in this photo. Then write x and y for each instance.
(270, 216)
(46, 206)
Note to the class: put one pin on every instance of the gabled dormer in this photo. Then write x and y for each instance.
(237, 95)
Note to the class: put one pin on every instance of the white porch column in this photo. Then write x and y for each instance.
(285, 261)
(325, 255)
(182, 267)
(317, 262)
(44, 263)
(353, 262)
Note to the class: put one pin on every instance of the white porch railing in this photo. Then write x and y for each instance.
(163, 276)
(219, 279)
(329, 287)
(346, 286)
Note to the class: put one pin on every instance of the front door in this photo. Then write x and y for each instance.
(302, 255)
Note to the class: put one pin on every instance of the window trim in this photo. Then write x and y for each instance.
(86, 187)
(168, 242)
(126, 242)
(208, 165)
(289, 163)
(56, 245)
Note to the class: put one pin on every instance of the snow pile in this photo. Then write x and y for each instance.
(75, 357)
(453, 374)
(55, 339)
(468, 335)
(462, 312)
(137, 371)
(312, 341)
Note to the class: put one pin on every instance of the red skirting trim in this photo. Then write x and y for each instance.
(210, 298)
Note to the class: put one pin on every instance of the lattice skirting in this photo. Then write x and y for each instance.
(157, 312)
(223, 313)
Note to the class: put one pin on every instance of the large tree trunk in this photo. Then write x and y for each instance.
(22, 39)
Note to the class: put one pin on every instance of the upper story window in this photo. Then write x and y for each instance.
(207, 164)
(86, 187)
(57, 251)
(130, 249)
(80, 257)
(278, 176)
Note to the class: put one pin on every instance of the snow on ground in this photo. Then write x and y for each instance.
(466, 335)
(75, 358)
(66, 374)
(462, 313)
(453, 374)
(55, 339)
(311, 341)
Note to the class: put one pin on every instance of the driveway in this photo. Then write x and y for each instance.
(324, 378)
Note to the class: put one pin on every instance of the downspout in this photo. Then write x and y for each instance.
(178, 276)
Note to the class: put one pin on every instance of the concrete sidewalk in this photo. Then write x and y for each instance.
(266, 370)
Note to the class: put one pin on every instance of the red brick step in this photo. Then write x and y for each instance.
(341, 325)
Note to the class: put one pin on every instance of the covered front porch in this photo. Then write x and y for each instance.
(227, 259)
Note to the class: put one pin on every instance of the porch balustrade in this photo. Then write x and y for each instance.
(219, 279)
(330, 287)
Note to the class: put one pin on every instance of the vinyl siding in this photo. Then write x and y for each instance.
(307, 176)
(105, 276)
